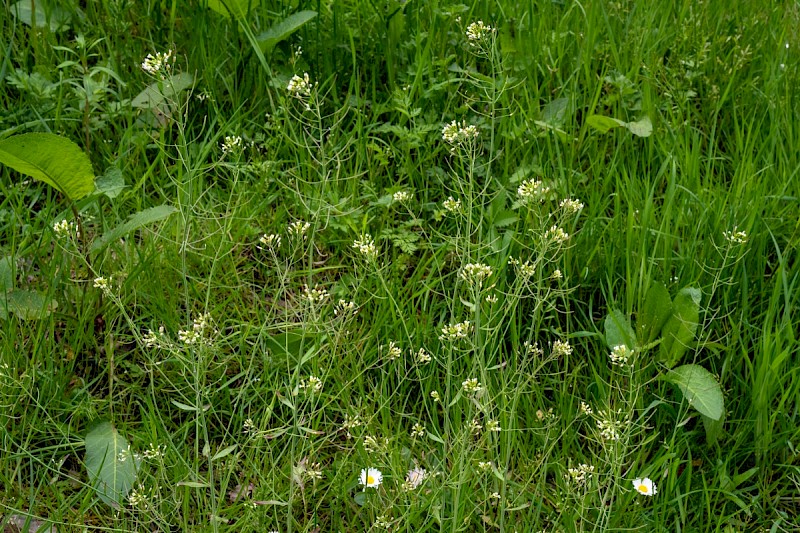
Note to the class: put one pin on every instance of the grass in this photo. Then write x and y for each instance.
(251, 388)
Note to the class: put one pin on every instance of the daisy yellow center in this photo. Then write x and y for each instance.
(643, 488)
(370, 480)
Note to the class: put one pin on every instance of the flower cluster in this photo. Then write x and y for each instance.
(299, 228)
(561, 348)
(402, 197)
(452, 205)
(475, 273)
(153, 338)
(199, 331)
(735, 236)
(104, 284)
(579, 475)
(310, 385)
(345, 308)
(232, 143)
(459, 133)
(608, 427)
(158, 64)
(393, 351)
(418, 430)
(477, 32)
(571, 206)
(422, 357)
(64, 228)
(532, 190)
(300, 88)
(455, 332)
(556, 235)
(366, 246)
(350, 423)
(271, 241)
(471, 386)
(524, 270)
(620, 354)
(316, 295)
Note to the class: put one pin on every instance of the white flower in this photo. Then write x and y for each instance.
(477, 32)
(300, 87)
(619, 355)
(401, 196)
(157, 64)
(104, 284)
(232, 143)
(530, 190)
(415, 477)
(451, 204)
(735, 236)
(475, 273)
(371, 478)
(645, 486)
(366, 246)
(571, 206)
(471, 386)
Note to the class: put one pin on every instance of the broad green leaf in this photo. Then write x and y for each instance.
(288, 343)
(656, 311)
(27, 305)
(134, 222)
(641, 128)
(54, 17)
(226, 8)
(224, 452)
(699, 388)
(713, 428)
(603, 124)
(679, 330)
(618, 330)
(555, 113)
(6, 273)
(163, 91)
(284, 29)
(111, 183)
(52, 159)
(505, 218)
(110, 464)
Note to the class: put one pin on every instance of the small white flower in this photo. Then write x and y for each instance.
(471, 386)
(452, 205)
(620, 354)
(532, 190)
(158, 64)
(571, 206)
(232, 143)
(645, 486)
(415, 477)
(300, 88)
(401, 197)
(366, 246)
(371, 478)
(735, 236)
(104, 284)
(477, 32)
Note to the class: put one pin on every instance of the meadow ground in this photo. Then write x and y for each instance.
(402, 266)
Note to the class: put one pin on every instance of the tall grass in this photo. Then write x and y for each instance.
(442, 310)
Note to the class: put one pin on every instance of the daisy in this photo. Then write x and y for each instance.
(371, 477)
(645, 486)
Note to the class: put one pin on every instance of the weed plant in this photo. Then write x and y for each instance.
(379, 303)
